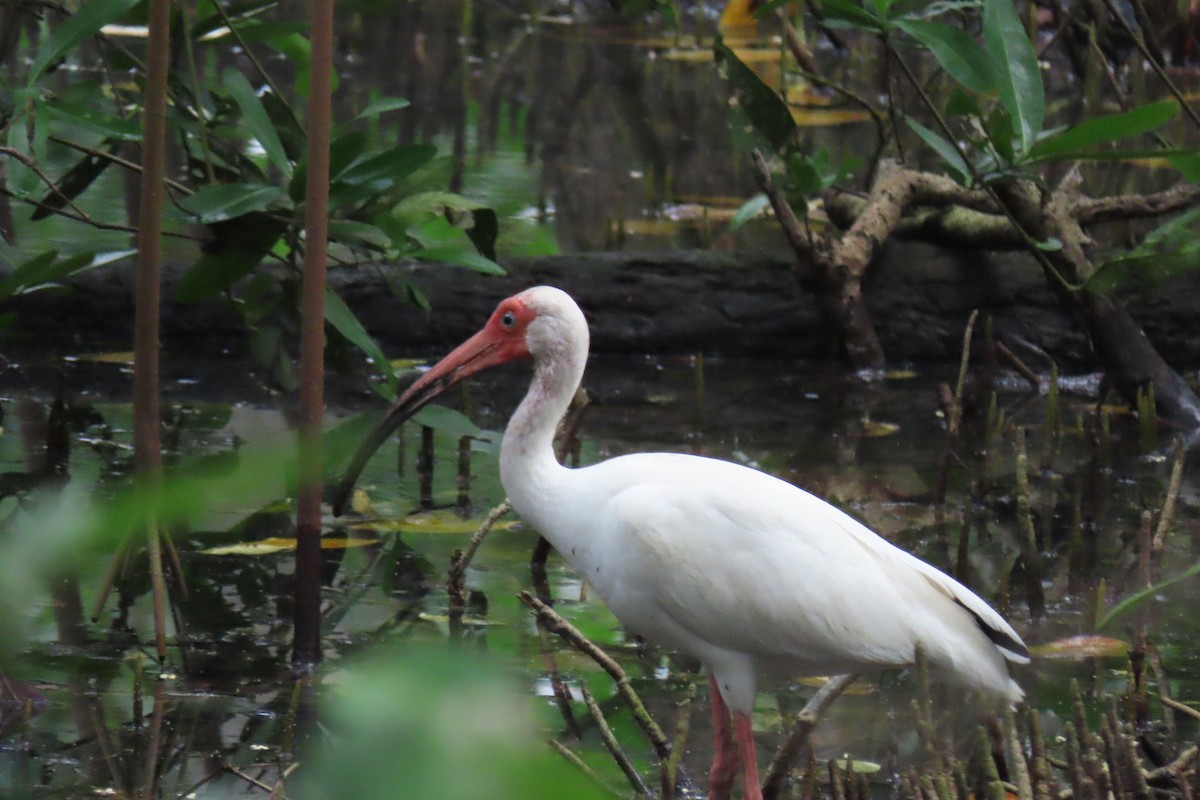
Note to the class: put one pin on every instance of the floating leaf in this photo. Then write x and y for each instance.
(124, 359)
(279, 544)
(438, 521)
(360, 502)
(828, 117)
(1081, 647)
(875, 429)
(856, 688)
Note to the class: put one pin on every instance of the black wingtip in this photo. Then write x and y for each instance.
(1013, 649)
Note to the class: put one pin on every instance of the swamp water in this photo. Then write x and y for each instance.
(83, 713)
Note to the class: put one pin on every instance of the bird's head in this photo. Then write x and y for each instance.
(542, 323)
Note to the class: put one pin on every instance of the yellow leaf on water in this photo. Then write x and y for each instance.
(438, 521)
(122, 358)
(875, 429)
(1082, 646)
(856, 688)
(828, 117)
(360, 502)
(406, 363)
(279, 544)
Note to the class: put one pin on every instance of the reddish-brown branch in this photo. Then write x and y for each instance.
(307, 640)
(147, 448)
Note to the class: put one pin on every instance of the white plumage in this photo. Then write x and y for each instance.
(740, 569)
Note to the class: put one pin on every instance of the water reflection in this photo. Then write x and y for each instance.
(84, 708)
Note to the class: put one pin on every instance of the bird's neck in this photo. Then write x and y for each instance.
(529, 469)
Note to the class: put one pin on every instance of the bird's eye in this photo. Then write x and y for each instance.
(508, 319)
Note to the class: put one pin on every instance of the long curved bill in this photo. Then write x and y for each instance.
(481, 351)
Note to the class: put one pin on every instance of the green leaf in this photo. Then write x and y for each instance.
(1127, 155)
(1015, 68)
(82, 25)
(236, 12)
(955, 50)
(239, 246)
(1188, 165)
(382, 105)
(375, 175)
(1171, 249)
(76, 180)
(256, 119)
(476, 219)
(961, 104)
(942, 147)
(749, 210)
(461, 256)
(1138, 598)
(359, 234)
(999, 129)
(46, 270)
(447, 420)
(93, 119)
(214, 273)
(767, 111)
(844, 14)
(222, 201)
(339, 315)
(1108, 128)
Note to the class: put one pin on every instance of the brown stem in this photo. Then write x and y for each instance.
(307, 641)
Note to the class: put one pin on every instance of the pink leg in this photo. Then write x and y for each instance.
(744, 730)
(724, 765)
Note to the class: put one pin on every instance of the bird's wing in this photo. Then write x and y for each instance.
(751, 564)
(747, 578)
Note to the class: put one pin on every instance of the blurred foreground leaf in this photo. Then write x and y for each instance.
(429, 723)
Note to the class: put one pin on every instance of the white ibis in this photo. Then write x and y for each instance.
(742, 570)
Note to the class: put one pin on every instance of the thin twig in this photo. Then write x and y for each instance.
(800, 239)
(485, 527)
(683, 723)
(614, 747)
(1183, 708)
(1035, 382)
(255, 782)
(1159, 542)
(570, 634)
(577, 762)
(956, 408)
(805, 721)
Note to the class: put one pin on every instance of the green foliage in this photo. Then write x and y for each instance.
(807, 173)
(1171, 249)
(417, 722)
(244, 156)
